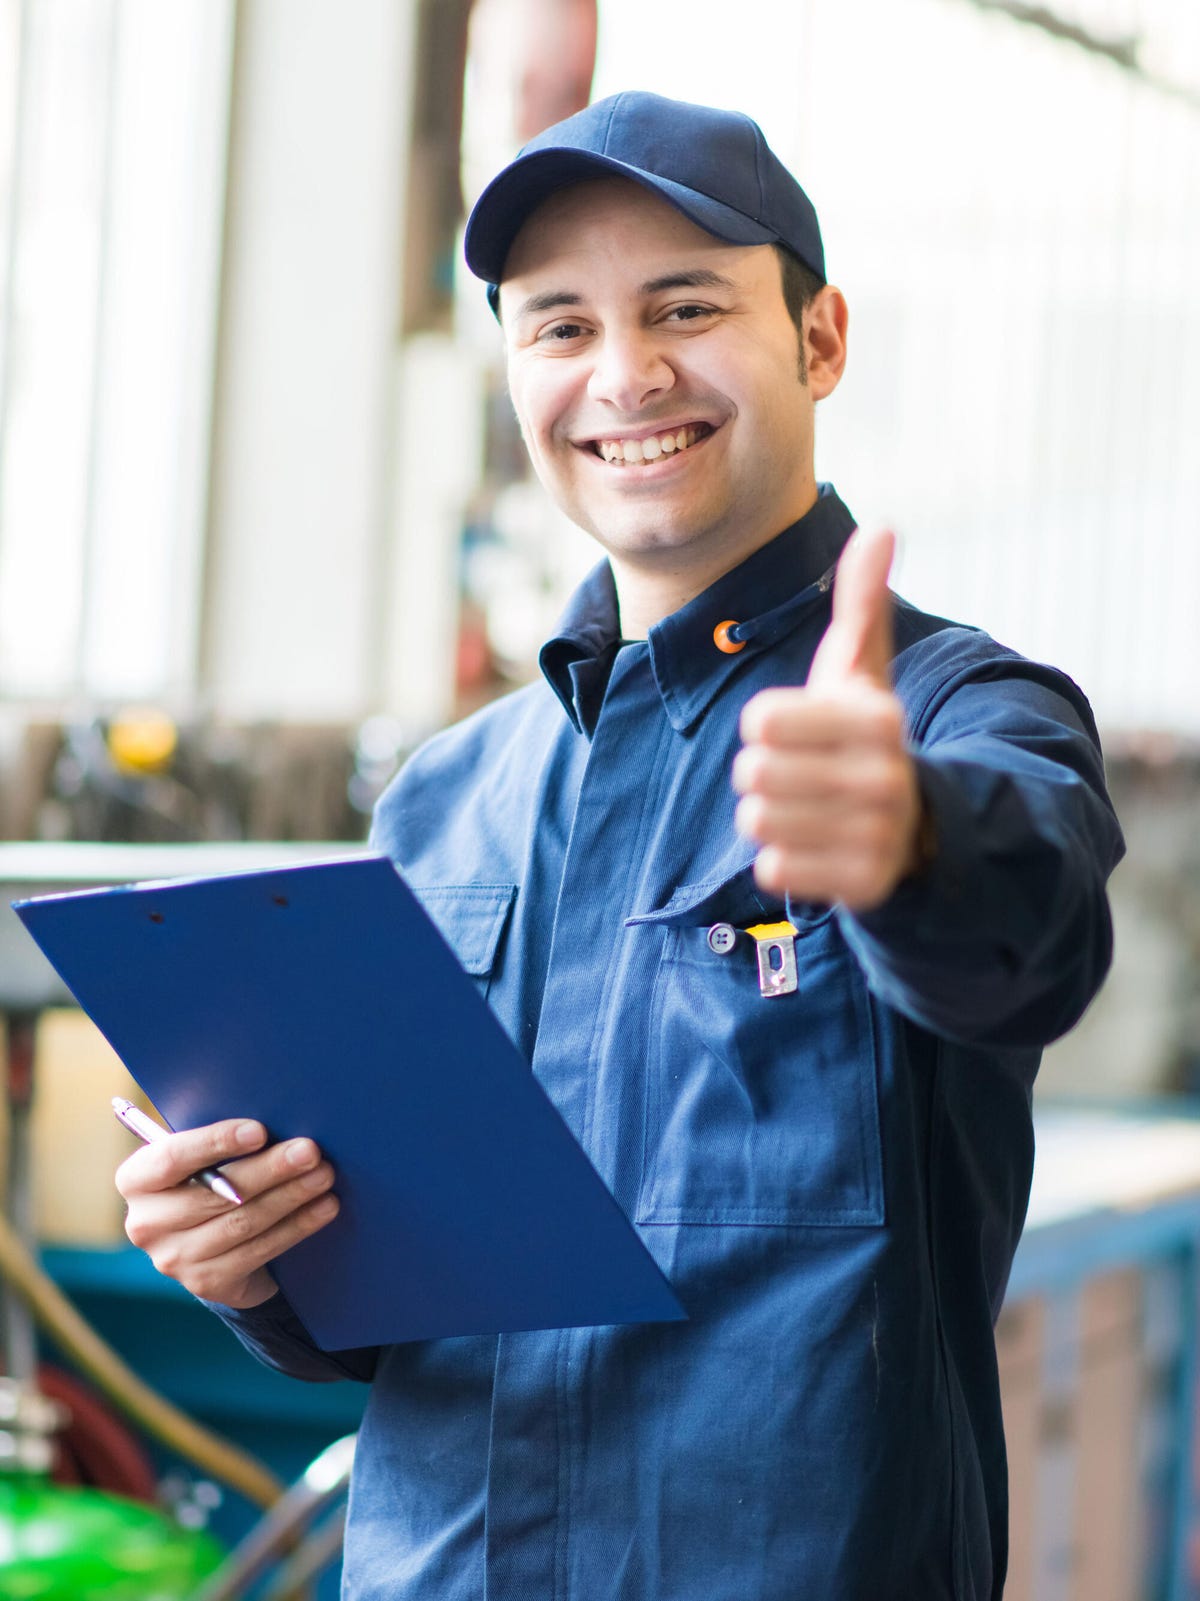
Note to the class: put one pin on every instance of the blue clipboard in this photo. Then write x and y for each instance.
(322, 1000)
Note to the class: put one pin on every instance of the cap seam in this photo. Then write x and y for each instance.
(759, 142)
(608, 125)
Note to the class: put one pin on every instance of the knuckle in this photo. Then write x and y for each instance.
(216, 1144)
(876, 836)
(752, 815)
(884, 713)
(769, 868)
(741, 819)
(319, 1212)
(205, 1282)
(138, 1173)
(773, 711)
(238, 1225)
(753, 712)
(772, 725)
(169, 1259)
(219, 1142)
(879, 781)
(136, 1231)
(157, 1167)
(863, 882)
(749, 767)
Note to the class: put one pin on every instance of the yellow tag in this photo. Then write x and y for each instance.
(772, 931)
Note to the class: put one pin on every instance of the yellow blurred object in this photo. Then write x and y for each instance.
(142, 740)
(76, 1144)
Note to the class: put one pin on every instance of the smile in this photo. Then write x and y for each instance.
(639, 452)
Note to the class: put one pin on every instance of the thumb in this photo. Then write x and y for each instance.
(857, 646)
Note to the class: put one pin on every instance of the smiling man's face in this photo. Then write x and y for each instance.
(655, 372)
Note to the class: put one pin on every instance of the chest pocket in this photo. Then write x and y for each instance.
(471, 918)
(758, 1110)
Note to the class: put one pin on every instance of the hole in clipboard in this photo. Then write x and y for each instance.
(157, 917)
(279, 900)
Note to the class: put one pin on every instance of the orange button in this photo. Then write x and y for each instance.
(722, 640)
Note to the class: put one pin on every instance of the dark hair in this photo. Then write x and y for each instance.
(800, 287)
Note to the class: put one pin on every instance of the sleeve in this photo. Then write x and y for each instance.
(1006, 936)
(275, 1335)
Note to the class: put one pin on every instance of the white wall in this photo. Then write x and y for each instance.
(113, 123)
(1014, 223)
(303, 435)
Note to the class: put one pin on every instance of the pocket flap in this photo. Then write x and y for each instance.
(735, 898)
(471, 919)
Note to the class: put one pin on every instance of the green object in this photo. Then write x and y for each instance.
(67, 1544)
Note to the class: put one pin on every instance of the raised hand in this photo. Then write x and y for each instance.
(828, 788)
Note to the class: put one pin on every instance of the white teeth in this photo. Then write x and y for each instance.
(632, 451)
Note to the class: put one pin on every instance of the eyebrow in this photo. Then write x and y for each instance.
(548, 300)
(691, 278)
(687, 278)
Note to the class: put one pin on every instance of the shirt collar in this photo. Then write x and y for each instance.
(766, 595)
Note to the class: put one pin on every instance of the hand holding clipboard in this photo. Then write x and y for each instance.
(321, 1003)
(284, 1194)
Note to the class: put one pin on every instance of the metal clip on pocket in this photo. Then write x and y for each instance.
(776, 945)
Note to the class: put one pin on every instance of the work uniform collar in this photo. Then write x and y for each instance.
(765, 597)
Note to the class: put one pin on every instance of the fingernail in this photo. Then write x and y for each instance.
(300, 1153)
(248, 1134)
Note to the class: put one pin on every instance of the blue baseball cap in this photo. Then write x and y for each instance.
(714, 166)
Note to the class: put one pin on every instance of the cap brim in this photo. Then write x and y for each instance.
(510, 199)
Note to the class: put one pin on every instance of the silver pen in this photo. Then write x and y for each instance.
(148, 1131)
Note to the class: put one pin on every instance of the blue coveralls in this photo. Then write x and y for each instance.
(834, 1180)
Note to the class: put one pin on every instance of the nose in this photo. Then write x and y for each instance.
(630, 369)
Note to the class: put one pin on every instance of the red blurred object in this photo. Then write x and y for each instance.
(96, 1448)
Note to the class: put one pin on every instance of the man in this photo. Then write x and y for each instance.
(795, 1031)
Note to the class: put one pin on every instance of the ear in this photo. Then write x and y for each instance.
(825, 321)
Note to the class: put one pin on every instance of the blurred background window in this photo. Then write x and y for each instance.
(113, 126)
(1008, 194)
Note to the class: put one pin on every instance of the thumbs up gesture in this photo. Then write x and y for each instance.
(828, 788)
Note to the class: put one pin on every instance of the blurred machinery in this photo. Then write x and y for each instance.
(73, 1543)
(80, 1512)
(138, 775)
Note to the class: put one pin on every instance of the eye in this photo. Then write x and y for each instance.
(561, 333)
(689, 313)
